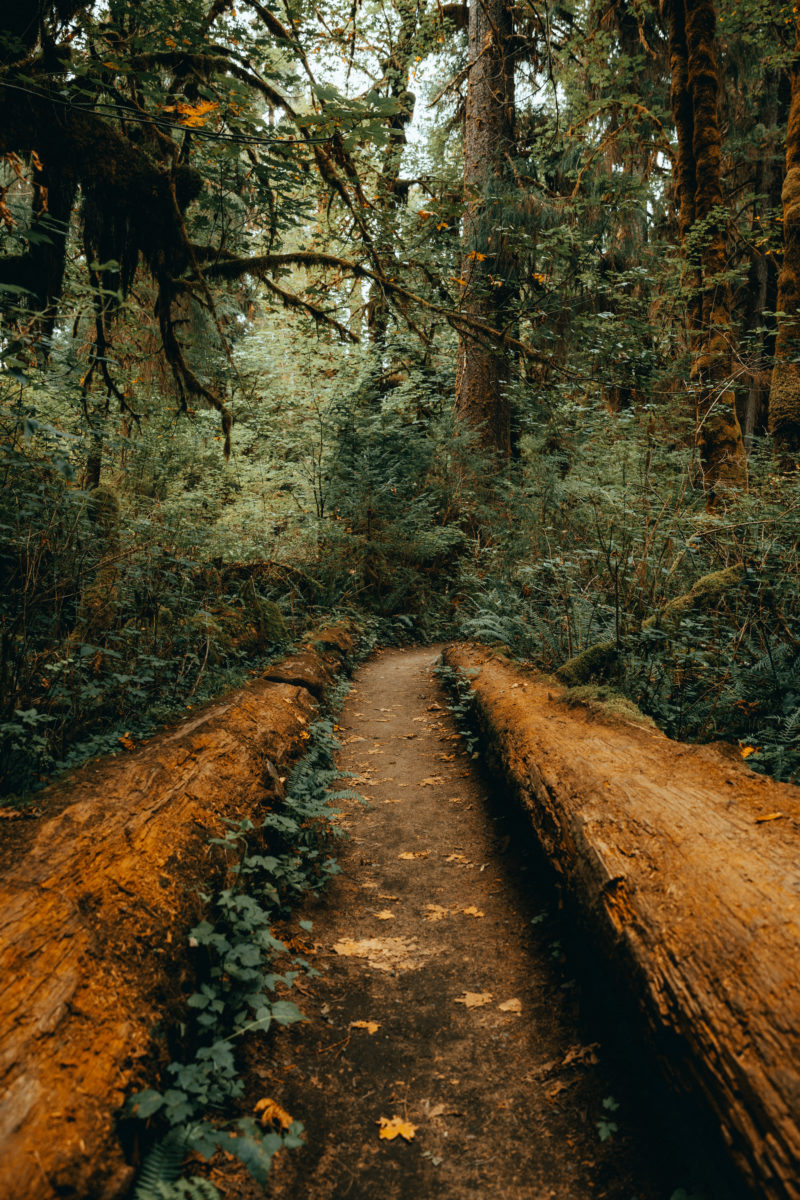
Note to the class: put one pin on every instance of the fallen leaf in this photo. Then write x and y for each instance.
(472, 911)
(431, 781)
(748, 750)
(447, 757)
(474, 999)
(384, 896)
(457, 800)
(459, 858)
(768, 817)
(271, 1113)
(559, 1086)
(511, 1006)
(396, 1127)
(413, 854)
(370, 1026)
(127, 742)
(581, 1054)
(434, 1110)
(436, 912)
(385, 954)
(385, 914)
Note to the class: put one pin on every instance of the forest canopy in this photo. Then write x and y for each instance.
(472, 320)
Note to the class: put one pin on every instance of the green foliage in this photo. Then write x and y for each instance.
(237, 955)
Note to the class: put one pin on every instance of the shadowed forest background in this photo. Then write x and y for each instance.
(475, 323)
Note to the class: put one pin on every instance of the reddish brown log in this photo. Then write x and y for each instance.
(684, 864)
(93, 916)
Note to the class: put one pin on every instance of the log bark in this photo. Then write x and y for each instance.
(784, 397)
(93, 915)
(679, 864)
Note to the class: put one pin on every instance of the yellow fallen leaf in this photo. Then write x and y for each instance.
(474, 999)
(747, 750)
(270, 1113)
(511, 1006)
(472, 911)
(435, 912)
(385, 914)
(127, 741)
(413, 854)
(370, 1026)
(431, 781)
(396, 1127)
(768, 817)
(457, 800)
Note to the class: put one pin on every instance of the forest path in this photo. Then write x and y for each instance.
(431, 933)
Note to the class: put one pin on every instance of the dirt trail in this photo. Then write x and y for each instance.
(432, 934)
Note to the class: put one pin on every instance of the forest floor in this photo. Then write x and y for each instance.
(447, 1012)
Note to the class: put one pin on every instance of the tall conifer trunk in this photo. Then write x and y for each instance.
(694, 92)
(481, 399)
(784, 397)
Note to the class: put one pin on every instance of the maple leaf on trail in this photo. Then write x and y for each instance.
(435, 912)
(472, 911)
(474, 999)
(386, 914)
(396, 1127)
(370, 1026)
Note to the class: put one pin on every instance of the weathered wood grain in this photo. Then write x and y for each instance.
(692, 893)
(93, 919)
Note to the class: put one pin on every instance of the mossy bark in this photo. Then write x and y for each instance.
(702, 217)
(481, 399)
(598, 662)
(784, 399)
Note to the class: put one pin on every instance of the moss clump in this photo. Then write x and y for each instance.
(706, 592)
(608, 702)
(596, 662)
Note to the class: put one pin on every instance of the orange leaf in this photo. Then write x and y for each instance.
(396, 1127)
(768, 817)
(271, 1113)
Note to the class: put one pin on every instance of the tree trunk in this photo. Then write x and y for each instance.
(389, 191)
(683, 863)
(695, 87)
(784, 399)
(481, 398)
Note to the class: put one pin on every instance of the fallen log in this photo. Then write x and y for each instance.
(684, 864)
(93, 918)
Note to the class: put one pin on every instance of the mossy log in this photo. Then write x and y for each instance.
(683, 863)
(597, 662)
(94, 910)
